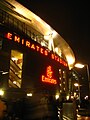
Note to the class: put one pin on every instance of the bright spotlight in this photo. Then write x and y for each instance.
(1, 92)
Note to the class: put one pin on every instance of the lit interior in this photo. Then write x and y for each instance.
(15, 73)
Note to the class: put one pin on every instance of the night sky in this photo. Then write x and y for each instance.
(70, 18)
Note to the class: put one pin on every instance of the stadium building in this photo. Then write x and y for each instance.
(33, 54)
(34, 59)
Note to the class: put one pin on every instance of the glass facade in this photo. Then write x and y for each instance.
(15, 72)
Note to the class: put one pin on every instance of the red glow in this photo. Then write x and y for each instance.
(48, 78)
(22, 41)
(17, 39)
(9, 36)
(35, 47)
(58, 59)
(52, 56)
(49, 72)
(41, 50)
(27, 44)
(46, 53)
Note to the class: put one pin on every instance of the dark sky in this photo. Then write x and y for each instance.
(70, 18)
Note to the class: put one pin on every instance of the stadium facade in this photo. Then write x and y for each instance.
(35, 58)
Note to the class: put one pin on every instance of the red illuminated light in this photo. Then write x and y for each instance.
(48, 78)
(35, 47)
(9, 36)
(17, 39)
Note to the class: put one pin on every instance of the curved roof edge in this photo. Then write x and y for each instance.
(41, 26)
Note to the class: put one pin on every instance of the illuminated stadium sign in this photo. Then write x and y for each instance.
(35, 47)
(40, 65)
(49, 76)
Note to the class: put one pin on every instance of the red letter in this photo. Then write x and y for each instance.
(52, 56)
(33, 46)
(9, 36)
(41, 50)
(22, 41)
(58, 59)
(37, 48)
(28, 44)
(17, 39)
(46, 52)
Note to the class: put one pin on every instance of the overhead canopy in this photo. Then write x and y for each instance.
(40, 26)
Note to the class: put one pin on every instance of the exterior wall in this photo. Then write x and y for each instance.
(36, 60)
(35, 64)
(43, 73)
